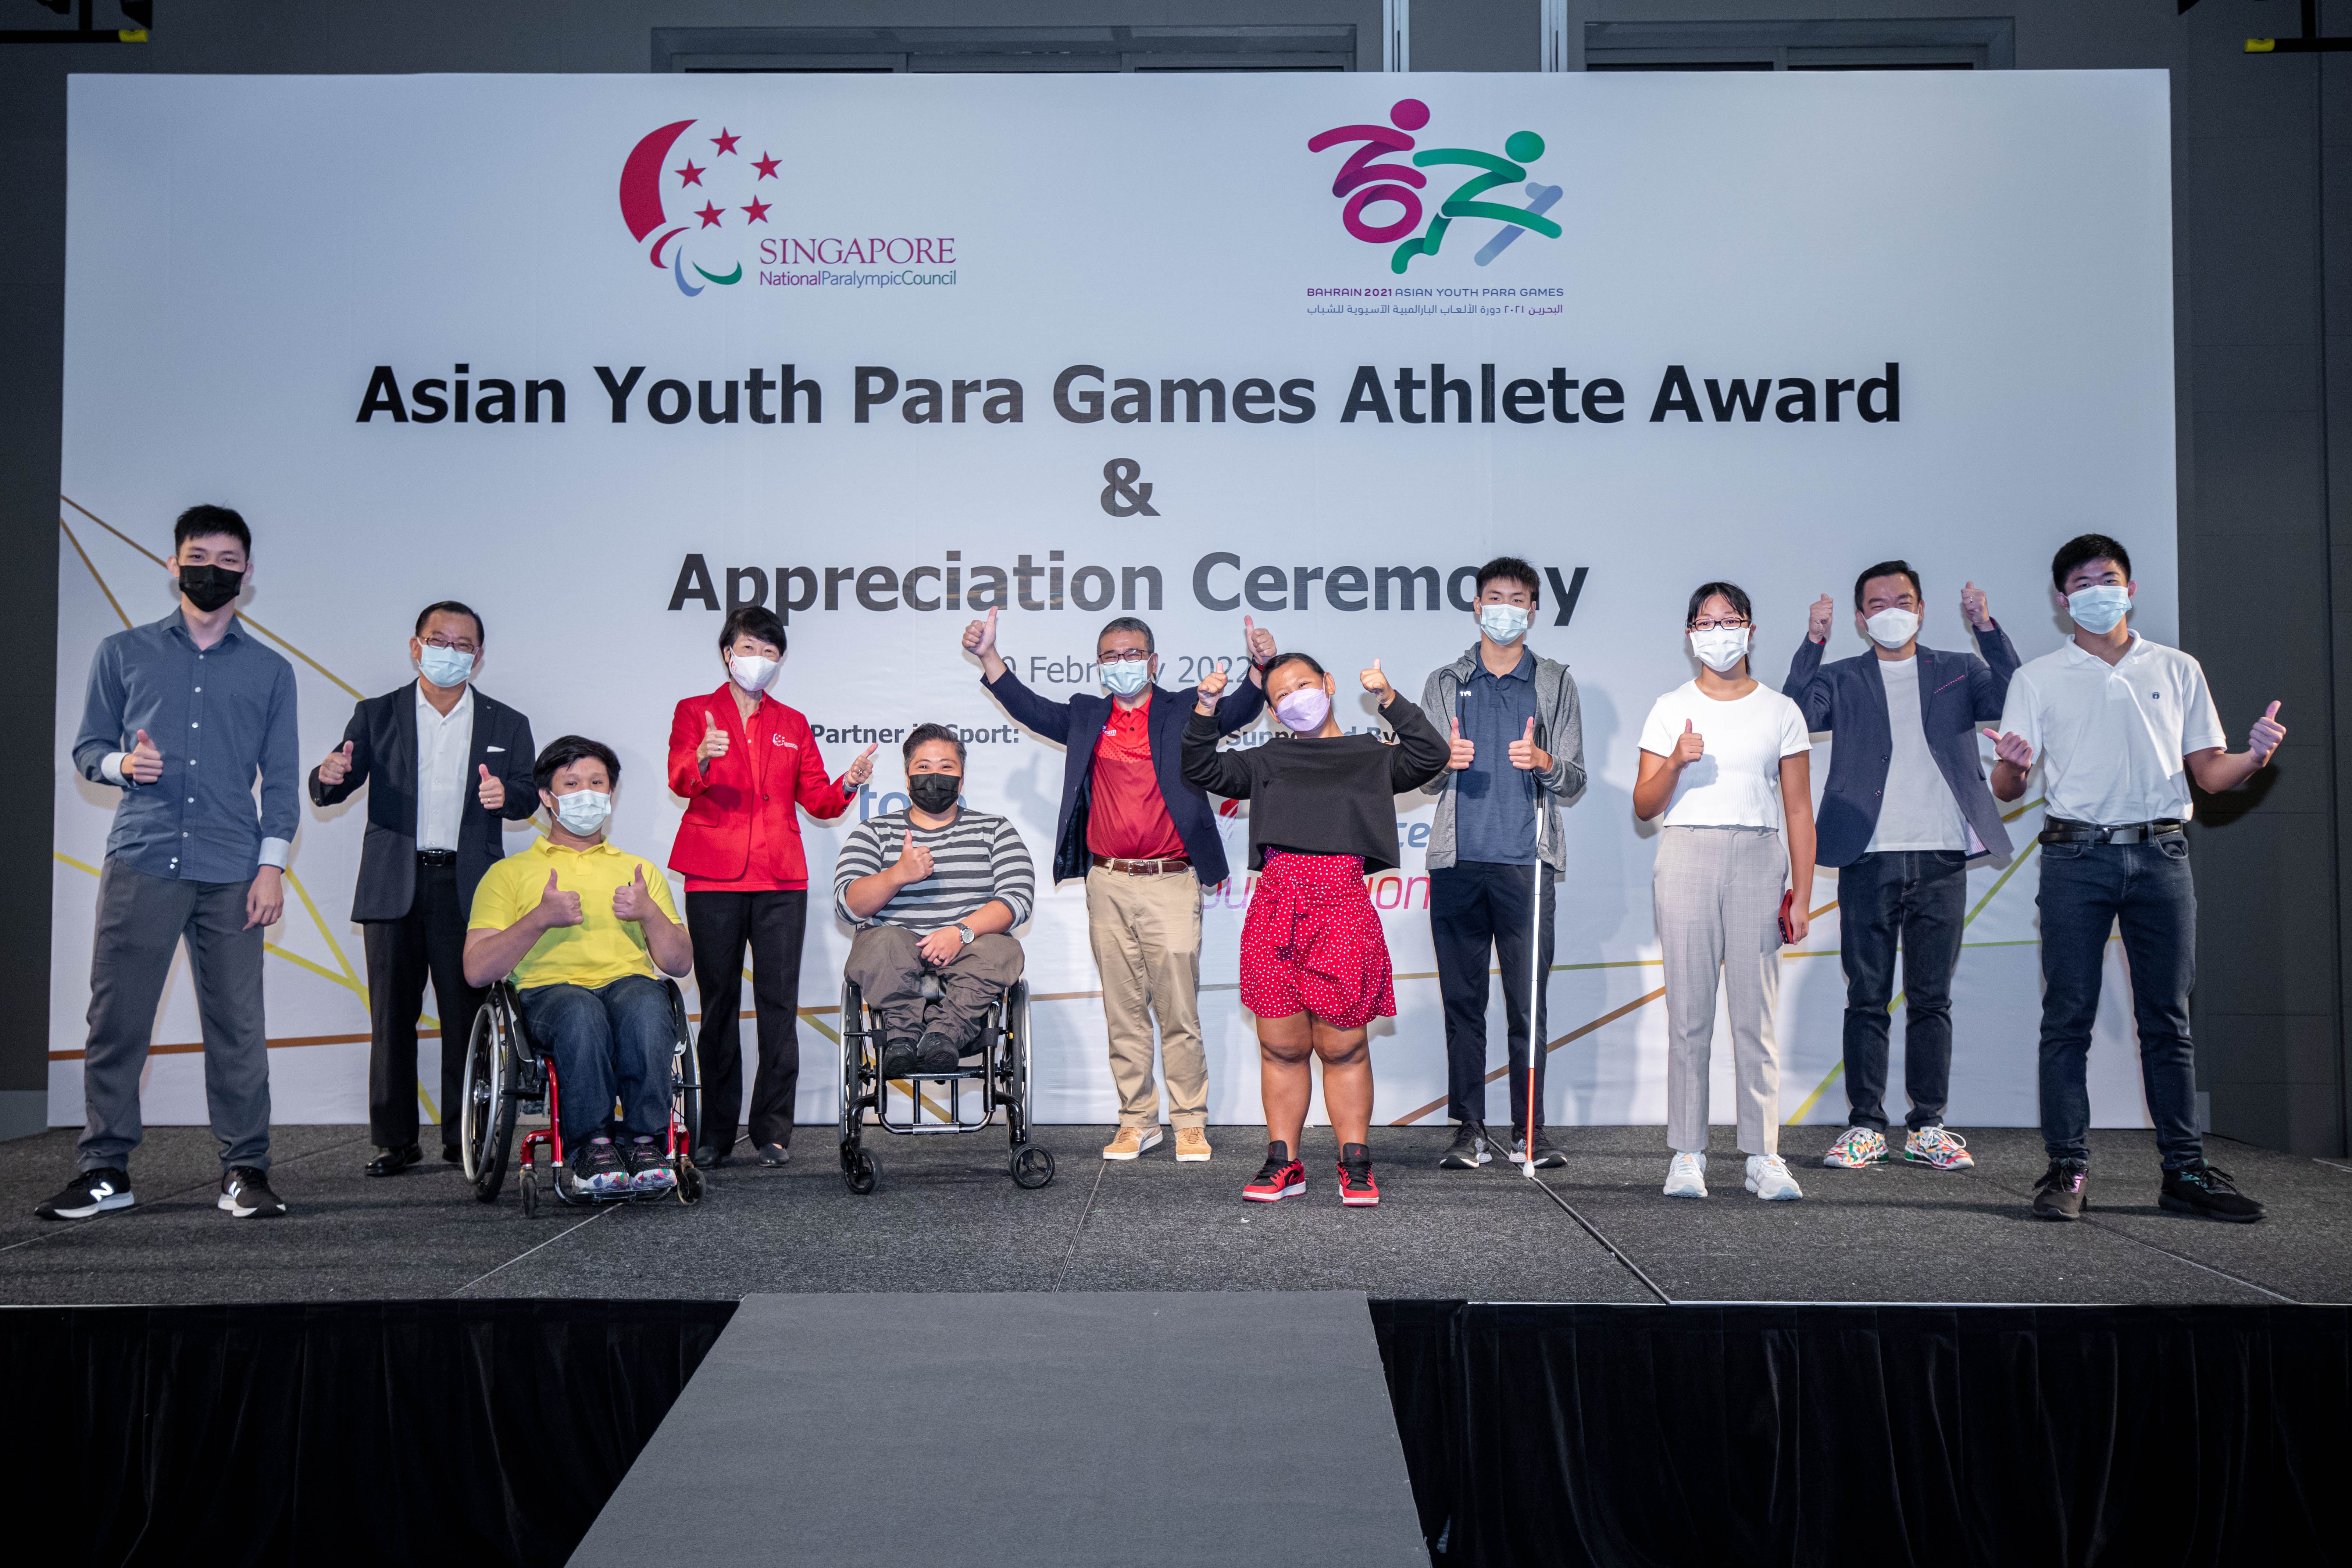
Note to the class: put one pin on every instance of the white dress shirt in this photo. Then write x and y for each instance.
(444, 746)
(2112, 740)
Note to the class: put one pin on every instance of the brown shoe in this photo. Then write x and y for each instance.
(1131, 1141)
(1192, 1144)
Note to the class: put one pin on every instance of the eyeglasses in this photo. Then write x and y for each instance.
(447, 645)
(1126, 656)
(1731, 624)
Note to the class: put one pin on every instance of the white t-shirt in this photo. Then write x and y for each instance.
(1737, 784)
(2110, 740)
(1919, 810)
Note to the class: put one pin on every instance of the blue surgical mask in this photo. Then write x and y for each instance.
(584, 811)
(1127, 677)
(2100, 608)
(445, 666)
(1504, 623)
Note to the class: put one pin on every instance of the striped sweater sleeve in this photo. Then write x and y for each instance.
(861, 856)
(1016, 879)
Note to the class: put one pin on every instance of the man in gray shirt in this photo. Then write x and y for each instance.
(181, 715)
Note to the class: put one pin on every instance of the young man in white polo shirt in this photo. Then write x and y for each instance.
(2120, 726)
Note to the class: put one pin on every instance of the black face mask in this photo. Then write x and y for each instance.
(210, 588)
(934, 793)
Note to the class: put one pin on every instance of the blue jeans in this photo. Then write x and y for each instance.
(2085, 888)
(615, 1042)
(1918, 898)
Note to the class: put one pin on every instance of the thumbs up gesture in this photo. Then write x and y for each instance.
(1526, 756)
(1258, 641)
(2018, 752)
(1817, 624)
(1464, 751)
(1973, 606)
(333, 770)
(633, 902)
(143, 763)
(914, 862)
(492, 791)
(1212, 687)
(556, 907)
(1690, 746)
(715, 741)
(1377, 683)
(2268, 732)
(980, 637)
(859, 770)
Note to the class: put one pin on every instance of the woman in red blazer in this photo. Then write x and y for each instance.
(745, 762)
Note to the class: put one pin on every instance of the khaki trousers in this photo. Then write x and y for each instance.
(1717, 893)
(1146, 932)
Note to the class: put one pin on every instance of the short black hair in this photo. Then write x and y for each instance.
(1294, 657)
(1887, 569)
(1515, 569)
(757, 620)
(1127, 624)
(922, 734)
(566, 750)
(2085, 547)
(201, 521)
(1731, 591)
(451, 607)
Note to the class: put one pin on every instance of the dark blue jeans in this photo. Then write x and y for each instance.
(2085, 889)
(1916, 898)
(608, 1044)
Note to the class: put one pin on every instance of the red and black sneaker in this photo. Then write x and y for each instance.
(1280, 1177)
(1357, 1188)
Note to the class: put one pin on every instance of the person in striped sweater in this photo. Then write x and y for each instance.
(938, 887)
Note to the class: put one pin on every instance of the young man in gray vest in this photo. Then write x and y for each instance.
(1519, 748)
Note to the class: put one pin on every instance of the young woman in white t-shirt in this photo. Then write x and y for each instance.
(1728, 760)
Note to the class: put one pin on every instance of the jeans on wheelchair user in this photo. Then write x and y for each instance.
(615, 1042)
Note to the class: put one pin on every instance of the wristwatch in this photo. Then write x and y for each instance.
(965, 932)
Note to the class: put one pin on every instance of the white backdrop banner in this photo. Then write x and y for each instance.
(604, 355)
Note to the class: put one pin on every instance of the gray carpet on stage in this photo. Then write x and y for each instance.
(1073, 1429)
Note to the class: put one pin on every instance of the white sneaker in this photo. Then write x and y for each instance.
(1769, 1178)
(1687, 1177)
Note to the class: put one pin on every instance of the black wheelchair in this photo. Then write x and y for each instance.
(994, 1077)
(507, 1077)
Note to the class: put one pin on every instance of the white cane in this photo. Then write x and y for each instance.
(1535, 983)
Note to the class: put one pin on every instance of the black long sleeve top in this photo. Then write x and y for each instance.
(1320, 795)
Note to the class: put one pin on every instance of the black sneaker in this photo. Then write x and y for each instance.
(90, 1192)
(2205, 1192)
(1548, 1156)
(1469, 1150)
(244, 1193)
(648, 1165)
(938, 1054)
(897, 1058)
(2063, 1191)
(597, 1168)
(1357, 1188)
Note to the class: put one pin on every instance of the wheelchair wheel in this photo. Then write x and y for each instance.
(855, 1076)
(530, 1193)
(487, 1120)
(688, 1066)
(1014, 1091)
(1032, 1167)
(859, 1171)
(690, 1185)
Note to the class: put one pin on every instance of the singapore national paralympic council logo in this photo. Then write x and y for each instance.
(1365, 182)
(646, 178)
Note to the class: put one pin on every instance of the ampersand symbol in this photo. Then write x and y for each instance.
(1122, 497)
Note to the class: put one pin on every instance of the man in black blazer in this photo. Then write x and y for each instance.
(450, 766)
(1904, 811)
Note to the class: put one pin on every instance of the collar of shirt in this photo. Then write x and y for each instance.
(177, 621)
(2077, 654)
(428, 714)
(546, 848)
(1523, 670)
(734, 715)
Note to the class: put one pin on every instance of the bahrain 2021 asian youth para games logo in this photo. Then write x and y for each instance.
(1365, 182)
(642, 185)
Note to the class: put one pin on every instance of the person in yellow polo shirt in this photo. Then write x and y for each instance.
(587, 931)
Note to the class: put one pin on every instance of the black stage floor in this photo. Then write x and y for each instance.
(948, 1218)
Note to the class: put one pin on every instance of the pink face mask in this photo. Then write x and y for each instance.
(1304, 710)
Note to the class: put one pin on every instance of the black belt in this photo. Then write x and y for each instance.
(436, 857)
(2058, 830)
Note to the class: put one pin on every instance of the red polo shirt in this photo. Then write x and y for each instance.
(1128, 820)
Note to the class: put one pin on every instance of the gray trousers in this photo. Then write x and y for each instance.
(1718, 897)
(888, 968)
(141, 919)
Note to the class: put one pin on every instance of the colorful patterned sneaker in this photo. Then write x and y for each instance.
(1357, 1188)
(1280, 1177)
(1856, 1147)
(597, 1168)
(1769, 1178)
(649, 1170)
(1687, 1177)
(1935, 1146)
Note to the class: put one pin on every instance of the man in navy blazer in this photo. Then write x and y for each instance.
(450, 767)
(1146, 843)
(1905, 810)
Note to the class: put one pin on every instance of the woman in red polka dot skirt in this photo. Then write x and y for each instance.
(1314, 964)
